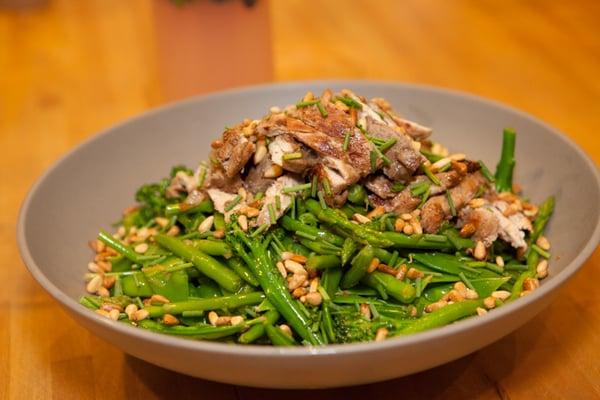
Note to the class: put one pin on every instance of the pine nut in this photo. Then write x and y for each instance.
(169, 320)
(173, 231)
(373, 265)
(158, 298)
(274, 171)
(461, 288)
(261, 152)
(103, 313)
(399, 225)
(542, 269)
(114, 314)
(381, 334)
(141, 248)
(130, 310)
(501, 294)
(296, 281)
(314, 285)
(401, 272)
(417, 228)
(161, 221)
(489, 302)
(286, 329)
(471, 294)
(408, 229)
(376, 212)
(543, 243)
(93, 267)
(140, 315)
(294, 267)
(481, 311)
(94, 284)
(436, 306)
(243, 222)
(299, 292)
(531, 284)
(365, 310)
(476, 203)
(361, 219)
(499, 261)
(479, 253)
(236, 320)
(314, 298)
(212, 318)
(206, 225)
(281, 269)
(468, 230)
(414, 273)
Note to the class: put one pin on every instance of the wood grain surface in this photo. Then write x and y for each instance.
(70, 68)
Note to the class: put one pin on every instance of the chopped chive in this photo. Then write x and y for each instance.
(434, 179)
(322, 199)
(350, 102)
(445, 167)
(346, 141)
(430, 237)
(373, 160)
(291, 156)
(451, 204)
(494, 268)
(297, 188)
(476, 264)
(322, 110)
(259, 230)
(486, 171)
(259, 195)
(363, 130)
(425, 196)
(278, 202)
(313, 188)
(234, 202)
(308, 103)
(430, 156)
(383, 158)
(466, 281)
(293, 211)
(480, 191)
(397, 187)
(192, 313)
(387, 145)
(418, 189)
(306, 235)
(540, 251)
(375, 140)
(326, 186)
(202, 176)
(272, 215)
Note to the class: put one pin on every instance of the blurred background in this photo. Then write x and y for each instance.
(69, 68)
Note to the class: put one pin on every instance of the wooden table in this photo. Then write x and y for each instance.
(71, 68)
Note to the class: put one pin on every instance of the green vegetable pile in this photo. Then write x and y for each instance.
(359, 281)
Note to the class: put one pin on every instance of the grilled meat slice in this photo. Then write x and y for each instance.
(255, 181)
(405, 159)
(413, 129)
(285, 143)
(218, 179)
(381, 186)
(233, 151)
(285, 199)
(436, 210)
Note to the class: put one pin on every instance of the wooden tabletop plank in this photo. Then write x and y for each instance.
(69, 69)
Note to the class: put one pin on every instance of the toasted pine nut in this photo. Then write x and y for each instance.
(314, 285)
(499, 261)
(250, 212)
(141, 248)
(361, 219)
(296, 281)
(471, 294)
(219, 234)
(94, 284)
(236, 320)
(108, 281)
(531, 284)
(542, 269)
(501, 294)
(261, 152)
(314, 298)
(481, 311)
(381, 334)
(114, 314)
(401, 272)
(365, 310)
(294, 267)
(417, 228)
(212, 318)
(489, 302)
(286, 329)
(373, 265)
(436, 306)
(299, 292)
(399, 225)
(243, 222)
(281, 269)
(461, 288)
(454, 296)
(274, 171)
(130, 309)
(408, 229)
(479, 253)
(159, 298)
(140, 315)
(468, 230)
(169, 320)
(414, 273)
(543, 243)
(93, 267)
(207, 224)
(476, 203)
(104, 313)
(376, 212)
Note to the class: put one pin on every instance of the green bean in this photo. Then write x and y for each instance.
(206, 332)
(443, 316)
(359, 267)
(205, 206)
(278, 337)
(320, 247)
(504, 170)
(348, 250)
(214, 303)
(240, 268)
(399, 290)
(213, 247)
(257, 331)
(323, 261)
(330, 280)
(122, 248)
(207, 265)
(293, 225)
(273, 285)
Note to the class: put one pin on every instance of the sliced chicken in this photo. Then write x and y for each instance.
(233, 151)
(437, 210)
(220, 200)
(285, 143)
(405, 159)
(270, 199)
(255, 180)
(181, 183)
(216, 178)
